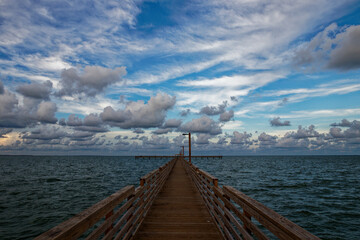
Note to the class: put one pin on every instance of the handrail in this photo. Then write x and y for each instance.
(118, 216)
(233, 211)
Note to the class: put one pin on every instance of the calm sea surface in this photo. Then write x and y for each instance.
(319, 193)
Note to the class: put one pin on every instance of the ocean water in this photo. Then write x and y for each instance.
(319, 193)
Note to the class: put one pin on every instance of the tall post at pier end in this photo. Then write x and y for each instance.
(189, 134)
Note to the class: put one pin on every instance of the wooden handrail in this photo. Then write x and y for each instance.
(233, 211)
(117, 216)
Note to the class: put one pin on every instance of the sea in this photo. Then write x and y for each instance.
(319, 193)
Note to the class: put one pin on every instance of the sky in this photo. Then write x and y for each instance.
(246, 77)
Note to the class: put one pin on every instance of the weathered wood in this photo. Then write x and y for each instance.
(178, 198)
(177, 210)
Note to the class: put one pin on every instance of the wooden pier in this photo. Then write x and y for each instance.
(178, 201)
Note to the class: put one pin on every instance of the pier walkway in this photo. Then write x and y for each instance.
(178, 201)
(178, 212)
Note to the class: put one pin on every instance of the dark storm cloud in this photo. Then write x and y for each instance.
(202, 125)
(92, 81)
(212, 110)
(275, 122)
(36, 90)
(226, 116)
(138, 114)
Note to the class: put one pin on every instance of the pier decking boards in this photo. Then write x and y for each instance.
(177, 201)
(178, 212)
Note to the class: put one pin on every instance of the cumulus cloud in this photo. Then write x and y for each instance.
(346, 123)
(92, 81)
(46, 112)
(36, 90)
(202, 125)
(310, 132)
(172, 123)
(241, 138)
(202, 138)
(335, 48)
(139, 114)
(46, 133)
(226, 116)
(267, 140)
(275, 122)
(14, 115)
(212, 110)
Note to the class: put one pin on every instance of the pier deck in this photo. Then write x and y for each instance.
(177, 201)
(178, 212)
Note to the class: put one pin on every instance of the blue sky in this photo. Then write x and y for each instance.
(129, 77)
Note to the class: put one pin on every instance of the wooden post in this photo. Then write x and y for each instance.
(190, 148)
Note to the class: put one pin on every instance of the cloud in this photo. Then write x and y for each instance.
(1, 87)
(36, 90)
(172, 123)
(138, 131)
(138, 114)
(92, 81)
(46, 133)
(184, 113)
(346, 123)
(266, 139)
(241, 138)
(4, 131)
(212, 110)
(275, 122)
(202, 138)
(74, 120)
(201, 125)
(46, 112)
(346, 55)
(14, 115)
(162, 131)
(335, 48)
(226, 116)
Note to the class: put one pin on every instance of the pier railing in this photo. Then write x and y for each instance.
(240, 217)
(116, 217)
